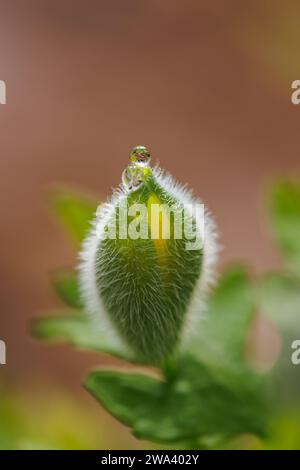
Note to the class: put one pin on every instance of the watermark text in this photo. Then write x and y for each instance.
(295, 357)
(2, 353)
(156, 222)
(2, 92)
(295, 97)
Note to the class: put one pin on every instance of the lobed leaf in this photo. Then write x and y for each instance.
(66, 286)
(74, 210)
(223, 328)
(194, 404)
(79, 330)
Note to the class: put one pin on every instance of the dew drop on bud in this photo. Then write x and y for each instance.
(132, 177)
(141, 156)
(137, 171)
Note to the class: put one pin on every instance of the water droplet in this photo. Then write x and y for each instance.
(138, 170)
(133, 177)
(140, 155)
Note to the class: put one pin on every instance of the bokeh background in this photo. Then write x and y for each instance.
(206, 85)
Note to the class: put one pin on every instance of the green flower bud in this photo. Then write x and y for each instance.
(141, 270)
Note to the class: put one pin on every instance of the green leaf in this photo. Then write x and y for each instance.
(66, 285)
(195, 403)
(285, 218)
(79, 330)
(223, 328)
(74, 210)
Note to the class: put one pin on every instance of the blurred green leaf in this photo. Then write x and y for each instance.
(280, 291)
(194, 403)
(223, 328)
(280, 300)
(285, 218)
(74, 210)
(79, 330)
(66, 285)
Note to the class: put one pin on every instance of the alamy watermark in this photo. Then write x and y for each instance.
(295, 357)
(156, 222)
(295, 97)
(2, 92)
(2, 353)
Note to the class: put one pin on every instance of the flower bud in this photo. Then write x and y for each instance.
(148, 260)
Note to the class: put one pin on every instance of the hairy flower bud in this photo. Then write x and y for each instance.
(148, 260)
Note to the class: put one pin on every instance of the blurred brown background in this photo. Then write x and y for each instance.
(206, 85)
